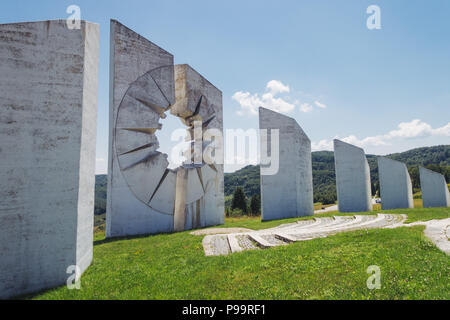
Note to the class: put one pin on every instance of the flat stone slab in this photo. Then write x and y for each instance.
(261, 241)
(242, 239)
(216, 245)
(219, 231)
(438, 231)
(234, 243)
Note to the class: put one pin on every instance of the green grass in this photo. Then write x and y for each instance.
(172, 266)
(416, 214)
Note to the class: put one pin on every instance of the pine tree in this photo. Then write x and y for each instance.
(255, 204)
(239, 200)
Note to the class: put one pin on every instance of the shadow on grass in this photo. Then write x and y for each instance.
(139, 236)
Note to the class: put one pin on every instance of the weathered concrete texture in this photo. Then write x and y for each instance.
(352, 178)
(144, 196)
(211, 231)
(305, 230)
(134, 94)
(48, 113)
(438, 231)
(395, 184)
(434, 189)
(198, 100)
(289, 192)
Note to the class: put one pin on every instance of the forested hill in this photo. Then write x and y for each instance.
(436, 158)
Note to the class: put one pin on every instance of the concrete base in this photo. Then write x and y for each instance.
(48, 114)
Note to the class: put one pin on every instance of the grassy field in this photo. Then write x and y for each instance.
(172, 266)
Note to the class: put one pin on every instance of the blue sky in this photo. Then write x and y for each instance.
(386, 90)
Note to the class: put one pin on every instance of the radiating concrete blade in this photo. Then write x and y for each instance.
(164, 197)
(179, 216)
(127, 140)
(165, 79)
(194, 186)
(135, 114)
(143, 177)
(208, 177)
(146, 90)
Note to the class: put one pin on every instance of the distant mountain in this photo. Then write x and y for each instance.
(435, 158)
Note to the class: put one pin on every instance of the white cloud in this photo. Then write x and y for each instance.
(306, 107)
(251, 102)
(322, 145)
(442, 131)
(368, 141)
(417, 128)
(271, 99)
(275, 86)
(406, 130)
(320, 105)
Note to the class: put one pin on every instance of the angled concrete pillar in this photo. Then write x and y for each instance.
(289, 192)
(48, 114)
(434, 189)
(395, 184)
(352, 178)
(144, 196)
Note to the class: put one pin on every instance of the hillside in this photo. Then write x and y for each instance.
(436, 158)
(101, 184)
(174, 266)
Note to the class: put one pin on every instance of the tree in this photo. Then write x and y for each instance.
(414, 174)
(376, 186)
(239, 200)
(373, 188)
(255, 204)
(328, 198)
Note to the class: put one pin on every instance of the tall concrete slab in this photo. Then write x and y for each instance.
(352, 178)
(289, 192)
(144, 196)
(48, 114)
(434, 189)
(395, 184)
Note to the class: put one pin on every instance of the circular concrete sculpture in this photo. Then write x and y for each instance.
(144, 195)
(145, 169)
(139, 113)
